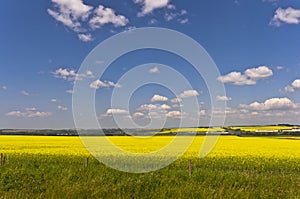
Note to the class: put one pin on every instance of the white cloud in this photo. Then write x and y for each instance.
(171, 15)
(29, 112)
(85, 37)
(188, 93)
(176, 100)
(82, 18)
(106, 84)
(70, 91)
(250, 76)
(70, 12)
(296, 84)
(171, 7)
(291, 88)
(271, 104)
(30, 109)
(152, 21)
(159, 98)
(236, 78)
(147, 107)
(23, 92)
(89, 74)
(154, 70)
(62, 108)
(150, 5)
(260, 72)
(165, 107)
(202, 112)
(153, 107)
(53, 100)
(4, 88)
(104, 16)
(116, 112)
(138, 115)
(289, 16)
(174, 114)
(183, 21)
(71, 74)
(65, 74)
(279, 67)
(223, 98)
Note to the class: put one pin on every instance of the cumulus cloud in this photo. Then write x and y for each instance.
(260, 72)
(291, 88)
(236, 78)
(29, 113)
(71, 74)
(82, 18)
(104, 16)
(188, 93)
(116, 112)
(70, 12)
(154, 70)
(296, 84)
(165, 107)
(288, 15)
(153, 107)
(149, 5)
(85, 37)
(159, 98)
(202, 112)
(176, 100)
(147, 107)
(174, 114)
(250, 76)
(65, 74)
(62, 108)
(223, 98)
(138, 115)
(271, 104)
(103, 84)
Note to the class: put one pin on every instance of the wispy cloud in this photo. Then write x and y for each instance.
(62, 108)
(23, 92)
(29, 113)
(154, 70)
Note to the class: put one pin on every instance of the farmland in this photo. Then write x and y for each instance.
(238, 167)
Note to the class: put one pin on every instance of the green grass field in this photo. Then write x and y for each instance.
(54, 167)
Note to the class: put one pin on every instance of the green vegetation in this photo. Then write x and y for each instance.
(238, 167)
(46, 176)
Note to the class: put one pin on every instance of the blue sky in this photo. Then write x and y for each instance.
(255, 45)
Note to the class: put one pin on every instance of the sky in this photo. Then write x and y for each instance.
(255, 46)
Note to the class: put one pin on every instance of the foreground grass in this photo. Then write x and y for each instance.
(54, 167)
(40, 176)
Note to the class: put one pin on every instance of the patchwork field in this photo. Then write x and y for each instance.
(238, 167)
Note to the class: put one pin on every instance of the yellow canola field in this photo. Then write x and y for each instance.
(226, 146)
